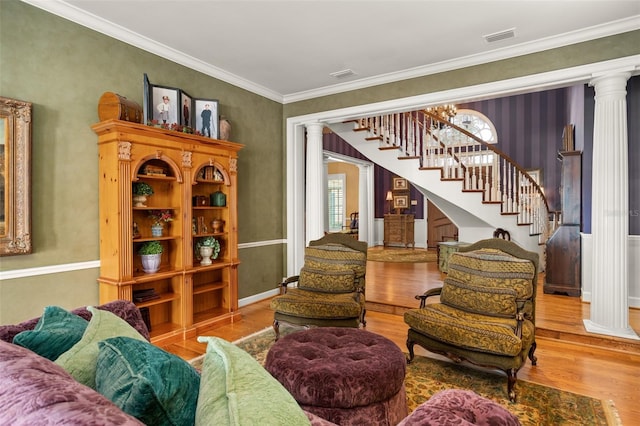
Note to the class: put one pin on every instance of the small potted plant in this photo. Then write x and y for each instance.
(140, 191)
(159, 218)
(206, 249)
(151, 254)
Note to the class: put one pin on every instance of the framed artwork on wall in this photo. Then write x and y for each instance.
(400, 184)
(206, 117)
(400, 201)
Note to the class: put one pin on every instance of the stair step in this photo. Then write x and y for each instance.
(373, 138)
(409, 157)
(386, 148)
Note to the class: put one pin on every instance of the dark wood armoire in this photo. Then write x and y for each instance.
(563, 269)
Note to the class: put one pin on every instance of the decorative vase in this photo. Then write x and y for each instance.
(139, 201)
(217, 225)
(225, 128)
(151, 262)
(157, 229)
(205, 253)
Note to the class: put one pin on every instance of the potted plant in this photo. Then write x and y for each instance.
(151, 254)
(159, 218)
(206, 249)
(140, 191)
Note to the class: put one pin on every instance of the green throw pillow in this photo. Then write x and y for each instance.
(236, 390)
(80, 361)
(156, 387)
(56, 332)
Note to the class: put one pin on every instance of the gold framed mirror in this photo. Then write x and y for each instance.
(15, 177)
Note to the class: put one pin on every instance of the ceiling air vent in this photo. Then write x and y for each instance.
(343, 73)
(500, 35)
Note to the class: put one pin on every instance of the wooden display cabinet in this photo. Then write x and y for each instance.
(184, 171)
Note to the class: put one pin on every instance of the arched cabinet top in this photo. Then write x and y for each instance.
(157, 165)
(211, 172)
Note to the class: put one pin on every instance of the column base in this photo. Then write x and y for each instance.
(627, 333)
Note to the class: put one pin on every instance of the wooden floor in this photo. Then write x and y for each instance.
(569, 358)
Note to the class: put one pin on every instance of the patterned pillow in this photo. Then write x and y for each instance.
(35, 391)
(488, 281)
(156, 387)
(80, 361)
(335, 257)
(327, 281)
(56, 332)
(236, 390)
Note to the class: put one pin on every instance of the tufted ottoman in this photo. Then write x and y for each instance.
(345, 375)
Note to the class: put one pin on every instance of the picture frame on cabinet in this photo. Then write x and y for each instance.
(205, 117)
(186, 109)
(400, 184)
(160, 103)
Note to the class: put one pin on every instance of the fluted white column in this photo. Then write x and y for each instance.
(316, 186)
(609, 209)
(363, 202)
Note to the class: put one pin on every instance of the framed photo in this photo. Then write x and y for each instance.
(161, 103)
(400, 201)
(400, 184)
(186, 109)
(205, 116)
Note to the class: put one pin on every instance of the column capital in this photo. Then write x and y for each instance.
(613, 79)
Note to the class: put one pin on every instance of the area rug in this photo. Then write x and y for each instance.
(536, 404)
(400, 255)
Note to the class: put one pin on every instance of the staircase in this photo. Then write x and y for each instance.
(476, 185)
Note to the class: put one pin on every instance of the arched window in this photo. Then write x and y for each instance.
(477, 124)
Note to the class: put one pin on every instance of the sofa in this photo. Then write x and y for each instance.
(95, 365)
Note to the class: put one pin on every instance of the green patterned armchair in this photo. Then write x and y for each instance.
(330, 286)
(486, 311)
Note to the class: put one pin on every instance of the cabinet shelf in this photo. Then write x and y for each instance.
(162, 273)
(205, 288)
(156, 177)
(164, 298)
(208, 314)
(209, 207)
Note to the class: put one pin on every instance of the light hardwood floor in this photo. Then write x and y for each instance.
(568, 357)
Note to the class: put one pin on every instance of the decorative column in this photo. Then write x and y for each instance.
(610, 208)
(363, 203)
(315, 194)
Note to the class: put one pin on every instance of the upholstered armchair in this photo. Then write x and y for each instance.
(486, 311)
(330, 286)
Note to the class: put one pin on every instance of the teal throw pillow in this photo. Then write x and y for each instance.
(156, 387)
(236, 390)
(80, 361)
(56, 332)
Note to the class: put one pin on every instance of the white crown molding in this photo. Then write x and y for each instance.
(616, 27)
(81, 17)
(91, 21)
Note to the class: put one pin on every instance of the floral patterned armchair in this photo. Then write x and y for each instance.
(330, 286)
(486, 312)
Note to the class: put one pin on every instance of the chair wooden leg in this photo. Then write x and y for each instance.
(532, 357)
(410, 344)
(364, 321)
(276, 328)
(511, 383)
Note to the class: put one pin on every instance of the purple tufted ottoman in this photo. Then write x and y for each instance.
(345, 375)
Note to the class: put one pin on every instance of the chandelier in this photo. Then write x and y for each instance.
(444, 112)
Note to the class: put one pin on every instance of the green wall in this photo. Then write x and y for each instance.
(64, 68)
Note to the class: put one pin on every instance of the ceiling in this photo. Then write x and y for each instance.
(287, 50)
